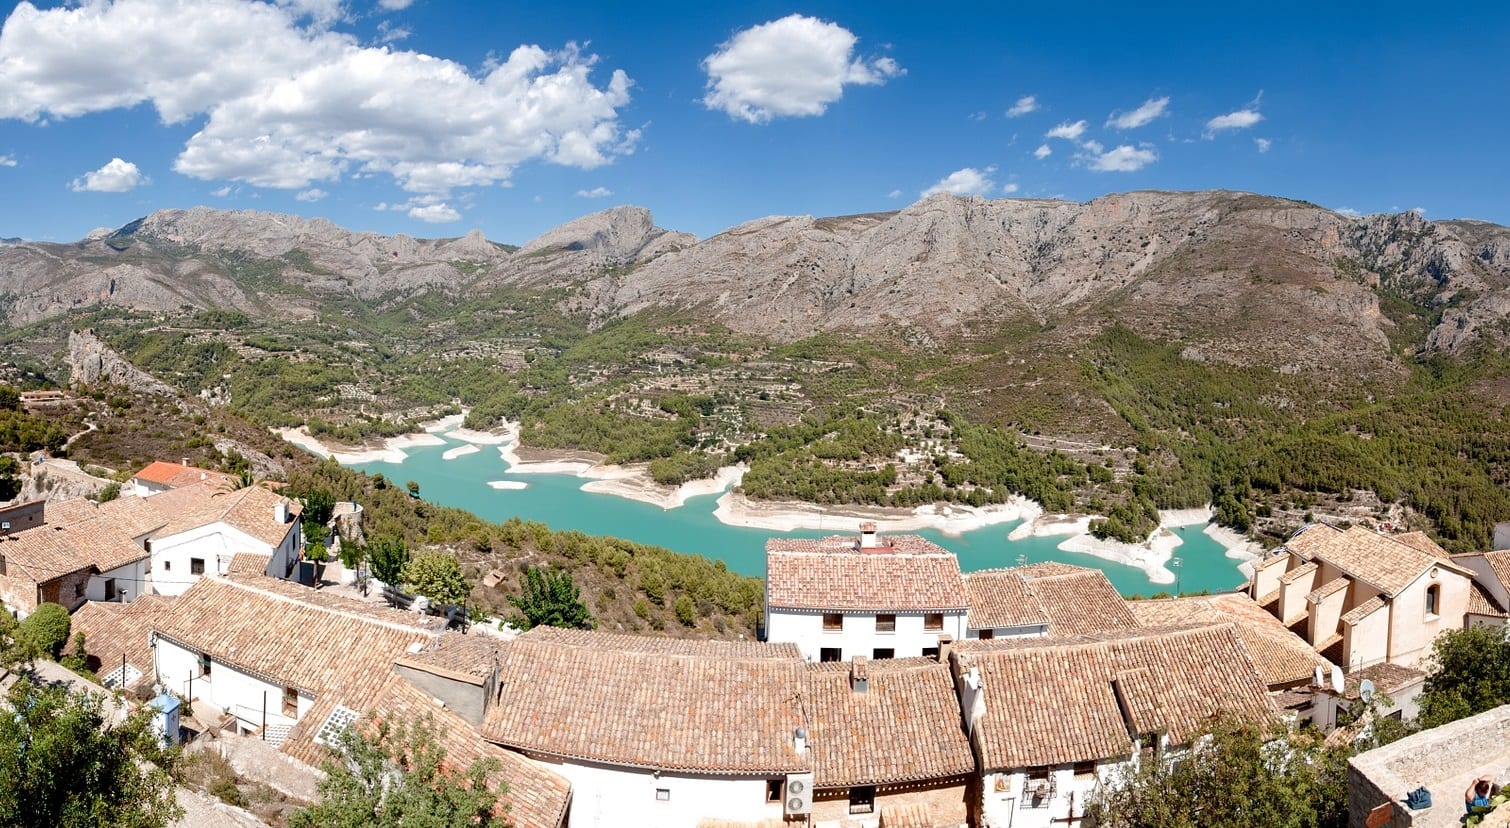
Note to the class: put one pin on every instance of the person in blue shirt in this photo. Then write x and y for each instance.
(1477, 795)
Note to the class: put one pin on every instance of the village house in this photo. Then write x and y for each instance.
(1361, 598)
(686, 733)
(159, 476)
(872, 596)
(86, 556)
(1491, 575)
(205, 526)
(1054, 719)
(1042, 599)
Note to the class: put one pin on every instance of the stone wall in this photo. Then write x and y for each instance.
(1438, 759)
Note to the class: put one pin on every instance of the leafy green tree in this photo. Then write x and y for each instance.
(319, 505)
(550, 598)
(1470, 673)
(1244, 775)
(686, 611)
(413, 488)
(388, 556)
(392, 774)
(64, 765)
(44, 632)
(317, 554)
(437, 576)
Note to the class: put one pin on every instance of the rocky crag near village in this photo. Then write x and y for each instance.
(1242, 278)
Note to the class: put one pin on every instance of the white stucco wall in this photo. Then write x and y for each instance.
(610, 796)
(227, 688)
(1004, 803)
(133, 579)
(1411, 630)
(859, 635)
(215, 543)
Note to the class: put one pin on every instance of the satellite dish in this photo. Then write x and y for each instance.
(1337, 681)
(1366, 691)
(1319, 677)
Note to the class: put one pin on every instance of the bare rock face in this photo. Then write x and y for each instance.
(91, 362)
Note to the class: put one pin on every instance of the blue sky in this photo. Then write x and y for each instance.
(433, 118)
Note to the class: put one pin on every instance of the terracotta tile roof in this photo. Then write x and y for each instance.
(469, 657)
(250, 510)
(1499, 564)
(132, 515)
(1298, 572)
(1001, 598)
(262, 626)
(174, 475)
(1281, 656)
(49, 551)
(1387, 678)
(248, 563)
(1269, 561)
(68, 512)
(1385, 562)
(1053, 701)
(335, 604)
(536, 797)
(905, 727)
(1363, 610)
(709, 707)
(907, 574)
(1046, 569)
(1480, 602)
(1329, 588)
(112, 629)
(1079, 600)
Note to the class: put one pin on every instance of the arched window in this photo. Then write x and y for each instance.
(1433, 599)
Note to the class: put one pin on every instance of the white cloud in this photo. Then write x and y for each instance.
(1009, 188)
(894, 194)
(320, 12)
(1348, 211)
(1124, 158)
(595, 192)
(395, 5)
(1263, 144)
(1092, 146)
(1024, 105)
(1042, 152)
(7, 160)
(287, 104)
(795, 66)
(312, 194)
(1240, 119)
(118, 176)
(1420, 211)
(440, 213)
(978, 116)
(1151, 109)
(968, 181)
(222, 192)
(1068, 131)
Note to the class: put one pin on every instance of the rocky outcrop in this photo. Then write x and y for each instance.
(92, 362)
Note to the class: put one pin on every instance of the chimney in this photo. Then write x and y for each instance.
(280, 512)
(799, 740)
(946, 646)
(868, 535)
(859, 678)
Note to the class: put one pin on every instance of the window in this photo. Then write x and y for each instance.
(830, 654)
(196, 566)
(883, 652)
(167, 566)
(833, 620)
(78, 589)
(204, 664)
(886, 622)
(862, 800)
(773, 790)
(933, 621)
(109, 589)
(930, 652)
(291, 702)
(987, 635)
(662, 794)
(1085, 769)
(1433, 599)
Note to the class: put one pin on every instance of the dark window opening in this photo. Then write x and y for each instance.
(862, 800)
(930, 652)
(773, 790)
(1433, 598)
(109, 589)
(883, 652)
(886, 622)
(987, 635)
(196, 566)
(291, 702)
(830, 654)
(204, 664)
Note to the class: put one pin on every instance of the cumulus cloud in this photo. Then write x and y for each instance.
(395, 5)
(118, 176)
(795, 66)
(439, 213)
(1349, 212)
(1151, 109)
(1068, 131)
(7, 160)
(287, 104)
(894, 194)
(1042, 152)
(312, 194)
(1263, 144)
(967, 181)
(1124, 158)
(222, 192)
(1009, 188)
(595, 192)
(1024, 105)
(1240, 119)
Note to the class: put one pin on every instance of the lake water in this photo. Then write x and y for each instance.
(558, 501)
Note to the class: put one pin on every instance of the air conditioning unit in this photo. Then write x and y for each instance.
(798, 798)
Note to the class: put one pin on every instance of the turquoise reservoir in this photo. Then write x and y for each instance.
(558, 501)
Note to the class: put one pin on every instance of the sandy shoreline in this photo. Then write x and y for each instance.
(633, 481)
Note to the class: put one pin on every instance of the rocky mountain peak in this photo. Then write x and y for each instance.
(618, 233)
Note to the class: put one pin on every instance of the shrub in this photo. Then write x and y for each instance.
(45, 631)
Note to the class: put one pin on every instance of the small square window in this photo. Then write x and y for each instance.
(773, 790)
(204, 664)
(291, 702)
(662, 794)
(833, 620)
(196, 566)
(830, 654)
(933, 621)
(1085, 769)
(886, 622)
(167, 566)
(883, 652)
(862, 800)
(987, 635)
(930, 652)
